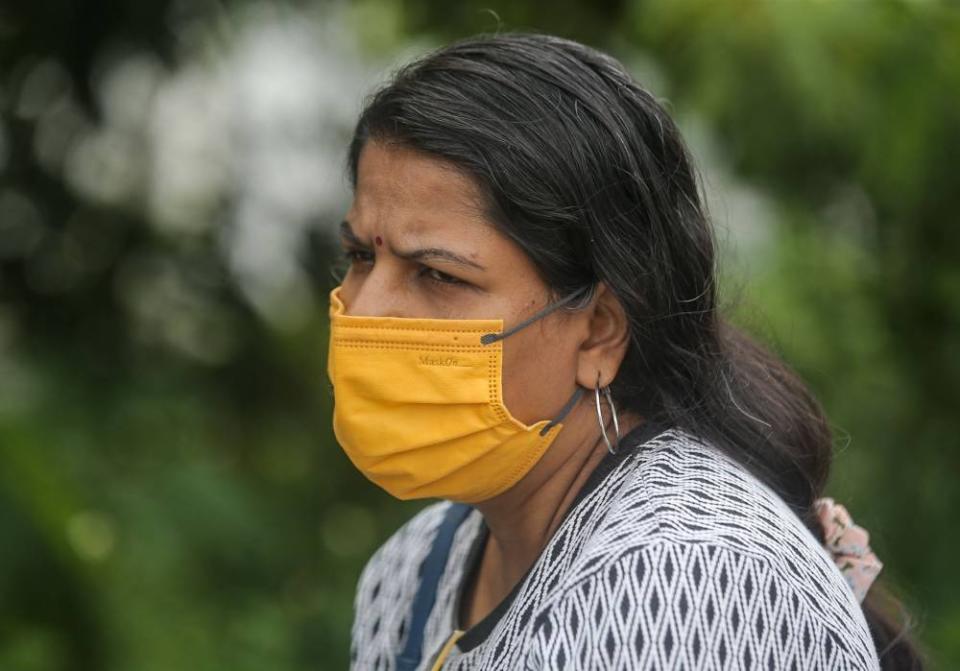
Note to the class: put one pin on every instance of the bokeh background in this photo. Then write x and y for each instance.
(171, 175)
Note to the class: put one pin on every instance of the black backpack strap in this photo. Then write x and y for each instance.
(431, 570)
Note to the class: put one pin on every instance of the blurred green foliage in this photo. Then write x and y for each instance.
(164, 507)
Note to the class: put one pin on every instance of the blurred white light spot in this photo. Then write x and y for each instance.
(246, 139)
(187, 129)
(104, 166)
(57, 129)
(127, 88)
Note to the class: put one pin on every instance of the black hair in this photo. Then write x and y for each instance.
(585, 170)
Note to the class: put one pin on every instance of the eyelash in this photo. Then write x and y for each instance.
(352, 254)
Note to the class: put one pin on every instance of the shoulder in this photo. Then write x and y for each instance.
(415, 533)
(683, 489)
(691, 543)
(401, 555)
(387, 584)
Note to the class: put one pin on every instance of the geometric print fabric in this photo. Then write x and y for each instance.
(672, 557)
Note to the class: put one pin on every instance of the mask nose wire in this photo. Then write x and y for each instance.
(488, 338)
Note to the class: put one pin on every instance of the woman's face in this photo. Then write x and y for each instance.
(419, 246)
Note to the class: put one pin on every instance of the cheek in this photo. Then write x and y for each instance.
(539, 375)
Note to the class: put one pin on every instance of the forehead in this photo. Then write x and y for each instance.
(415, 200)
(401, 188)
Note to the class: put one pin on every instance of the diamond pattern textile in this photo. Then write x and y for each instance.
(677, 558)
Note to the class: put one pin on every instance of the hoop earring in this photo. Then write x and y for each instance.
(613, 411)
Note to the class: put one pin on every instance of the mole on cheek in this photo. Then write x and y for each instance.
(379, 241)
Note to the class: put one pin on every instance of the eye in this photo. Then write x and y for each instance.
(358, 256)
(439, 277)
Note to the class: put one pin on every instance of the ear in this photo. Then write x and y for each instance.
(606, 344)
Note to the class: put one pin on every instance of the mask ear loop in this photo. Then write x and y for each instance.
(613, 411)
(488, 338)
(568, 406)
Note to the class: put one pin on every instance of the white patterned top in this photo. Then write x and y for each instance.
(673, 556)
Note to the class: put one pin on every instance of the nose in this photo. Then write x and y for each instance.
(374, 298)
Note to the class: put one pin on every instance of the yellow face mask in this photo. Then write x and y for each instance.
(418, 404)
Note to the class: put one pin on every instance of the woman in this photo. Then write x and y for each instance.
(528, 331)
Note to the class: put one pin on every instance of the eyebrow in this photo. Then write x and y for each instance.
(413, 255)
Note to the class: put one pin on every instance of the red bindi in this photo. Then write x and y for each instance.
(378, 240)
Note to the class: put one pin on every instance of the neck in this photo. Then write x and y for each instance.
(522, 520)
